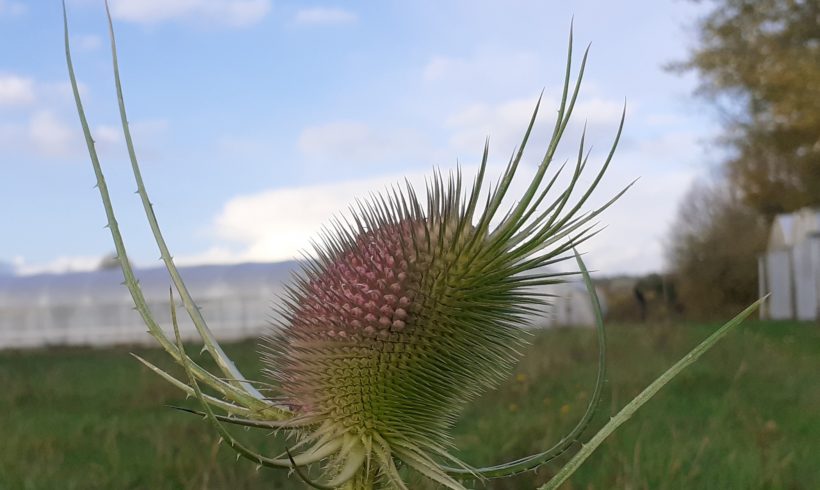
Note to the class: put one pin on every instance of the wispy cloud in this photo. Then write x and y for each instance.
(24, 91)
(16, 90)
(59, 265)
(264, 226)
(355, 142)
(47, 134)
(51, 136)
(231, 13)
(490, 66)
(600, 111)
(324, 16)
(87, 42)
(504, 122)
(11, 9)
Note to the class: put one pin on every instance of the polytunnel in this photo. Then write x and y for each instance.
(94, 308)
(237, 301)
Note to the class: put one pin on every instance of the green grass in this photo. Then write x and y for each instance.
(746, 416)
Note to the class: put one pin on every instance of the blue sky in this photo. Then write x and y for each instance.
(257, 120)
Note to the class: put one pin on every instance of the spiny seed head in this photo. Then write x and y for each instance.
(393, 332)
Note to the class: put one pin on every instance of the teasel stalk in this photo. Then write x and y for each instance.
(406, 311)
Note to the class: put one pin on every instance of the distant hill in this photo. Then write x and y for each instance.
(6, 269)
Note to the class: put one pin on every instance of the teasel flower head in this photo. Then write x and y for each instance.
(407, 309)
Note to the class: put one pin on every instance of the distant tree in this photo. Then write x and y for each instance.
(654, 291)
(759, 62)
(712, 250)
(109, 261)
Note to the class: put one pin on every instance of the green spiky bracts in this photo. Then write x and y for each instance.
(394, 328)
(408, 309)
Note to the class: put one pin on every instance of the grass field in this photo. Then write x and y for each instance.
(746, 417)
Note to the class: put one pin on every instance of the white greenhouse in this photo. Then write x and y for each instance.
(94, 308)
(238, 301)
(790, 268)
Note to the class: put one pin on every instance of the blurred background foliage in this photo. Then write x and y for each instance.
(758, 64)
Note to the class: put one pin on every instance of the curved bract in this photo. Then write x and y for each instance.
(409, 308)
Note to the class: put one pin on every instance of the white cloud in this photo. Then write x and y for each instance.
(149, 138)
(87, 42)
(54, 93)
(44, 121)
(16, 90)
(439, 67)
(600, 111)
(664, 119)
(637, 224)
(504, 123)
(676, 145)
(324, 16)
(51, 136)
(495, 69)
(447, 68)
(470, 87)
(11, 8)
(36, 128)
(666, 164)
(23, 91)
(214, 255)
(57, 266)
(247, 147)
(266, 227)
(150, 128)
(11, 136)
(356, 142)
(232, 13)
(107, 134)
(44, 133)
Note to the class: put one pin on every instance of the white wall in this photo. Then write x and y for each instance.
(230, 317)
(779, 282)
(806, 266)
(570, 306)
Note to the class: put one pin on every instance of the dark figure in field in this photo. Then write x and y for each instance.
(639, 297)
